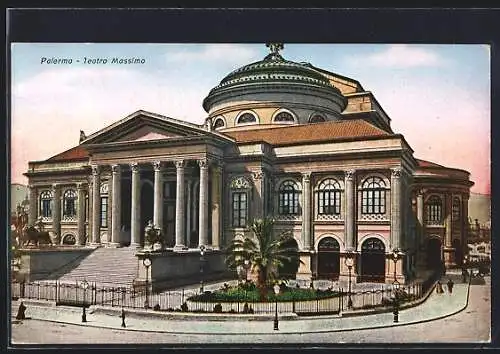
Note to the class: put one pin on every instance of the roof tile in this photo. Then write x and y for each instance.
(75, 153)
(309, 133)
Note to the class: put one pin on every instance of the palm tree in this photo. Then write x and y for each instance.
(265, 253)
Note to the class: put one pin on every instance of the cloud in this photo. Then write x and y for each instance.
(216, 53)
(402, 56)
(50, 108)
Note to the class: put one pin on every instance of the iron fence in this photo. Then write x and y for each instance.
(73, 294)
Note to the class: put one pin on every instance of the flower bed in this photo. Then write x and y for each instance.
(249, 292)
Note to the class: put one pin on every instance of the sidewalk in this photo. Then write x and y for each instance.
(436, 306)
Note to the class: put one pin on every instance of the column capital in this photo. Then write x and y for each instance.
(306, 176)
(79, 186)
(115, 168)
(95, 169)
(203, 163)
(31, 186)
(349, 174)
(55, 186)
(396, 172)
(420, 192)
(134, 166)
(180, 164)
(258, 175)
(157, 165)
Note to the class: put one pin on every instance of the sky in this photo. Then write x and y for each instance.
(437, 96)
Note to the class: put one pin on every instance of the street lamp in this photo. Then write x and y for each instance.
(147, 263)
(85, 285)
(349, 262)
(396, 254)
(276, 289)
(202, 260)
(465, 272)
(395, 285)
(246, 265)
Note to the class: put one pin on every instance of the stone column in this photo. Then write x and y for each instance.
(116, 220)
(56, 213)
(33, 210)
(306, 210)
(420, 216)
(81, 215)
(158, 197)
(179, 206)
(216, 205)
(448, 221)
(96, 205)
(395, 207)
(350, 212)
(258, 200)
(203, 200)
(465, 221)
(135, 215)
(187, 238)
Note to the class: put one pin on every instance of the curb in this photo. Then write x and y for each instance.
(288, 333)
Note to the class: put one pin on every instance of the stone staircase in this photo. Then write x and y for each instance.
(107, 266)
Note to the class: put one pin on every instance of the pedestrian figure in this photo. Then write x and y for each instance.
(450, 286)
(439, 288)
(20, 312)
(123, 318)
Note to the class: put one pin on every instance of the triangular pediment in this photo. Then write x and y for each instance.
(144, 126)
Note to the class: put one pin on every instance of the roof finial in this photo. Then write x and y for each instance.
(275, 49)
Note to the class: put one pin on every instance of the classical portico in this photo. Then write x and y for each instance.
(193, 185)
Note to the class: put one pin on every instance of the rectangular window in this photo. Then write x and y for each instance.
(373, 202)
(69, 207)
(46, 209)
(104, 211)
(239, 209)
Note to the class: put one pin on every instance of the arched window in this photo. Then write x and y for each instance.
(288, 199)
(456, 209)
(46, 204)
(329, 197)
(317, 119)
(284, 117)
(373, 196)
(246, 118)
(434, 210)
(69, 203)
(219, 123)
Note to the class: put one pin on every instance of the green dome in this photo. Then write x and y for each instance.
(272, 70)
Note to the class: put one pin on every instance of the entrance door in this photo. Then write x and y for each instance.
(434, 253)
(328, 258)
(290, 267)
(372, 261)
(458, 251)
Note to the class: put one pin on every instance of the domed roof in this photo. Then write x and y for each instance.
(273, 69)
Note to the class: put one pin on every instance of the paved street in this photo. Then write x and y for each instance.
(469, 325)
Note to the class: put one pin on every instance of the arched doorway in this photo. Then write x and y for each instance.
(289, 268)
(372, 261)
(458, 251)
(433, 253)
(147, 194)
(328, 258)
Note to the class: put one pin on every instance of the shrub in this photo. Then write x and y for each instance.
(218, 308)
(156, 307)
(184, 306)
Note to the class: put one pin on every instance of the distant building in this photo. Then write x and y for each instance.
(18, 196)
(311, 148)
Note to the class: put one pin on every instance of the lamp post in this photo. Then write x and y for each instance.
(147, 263)
(202, 260)
(85, 285)
(349, 262)
(465, 271)
(396, 254)
(276, 289)
(246, 265)
(395, 285)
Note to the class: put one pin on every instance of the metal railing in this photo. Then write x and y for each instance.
(73, 294)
